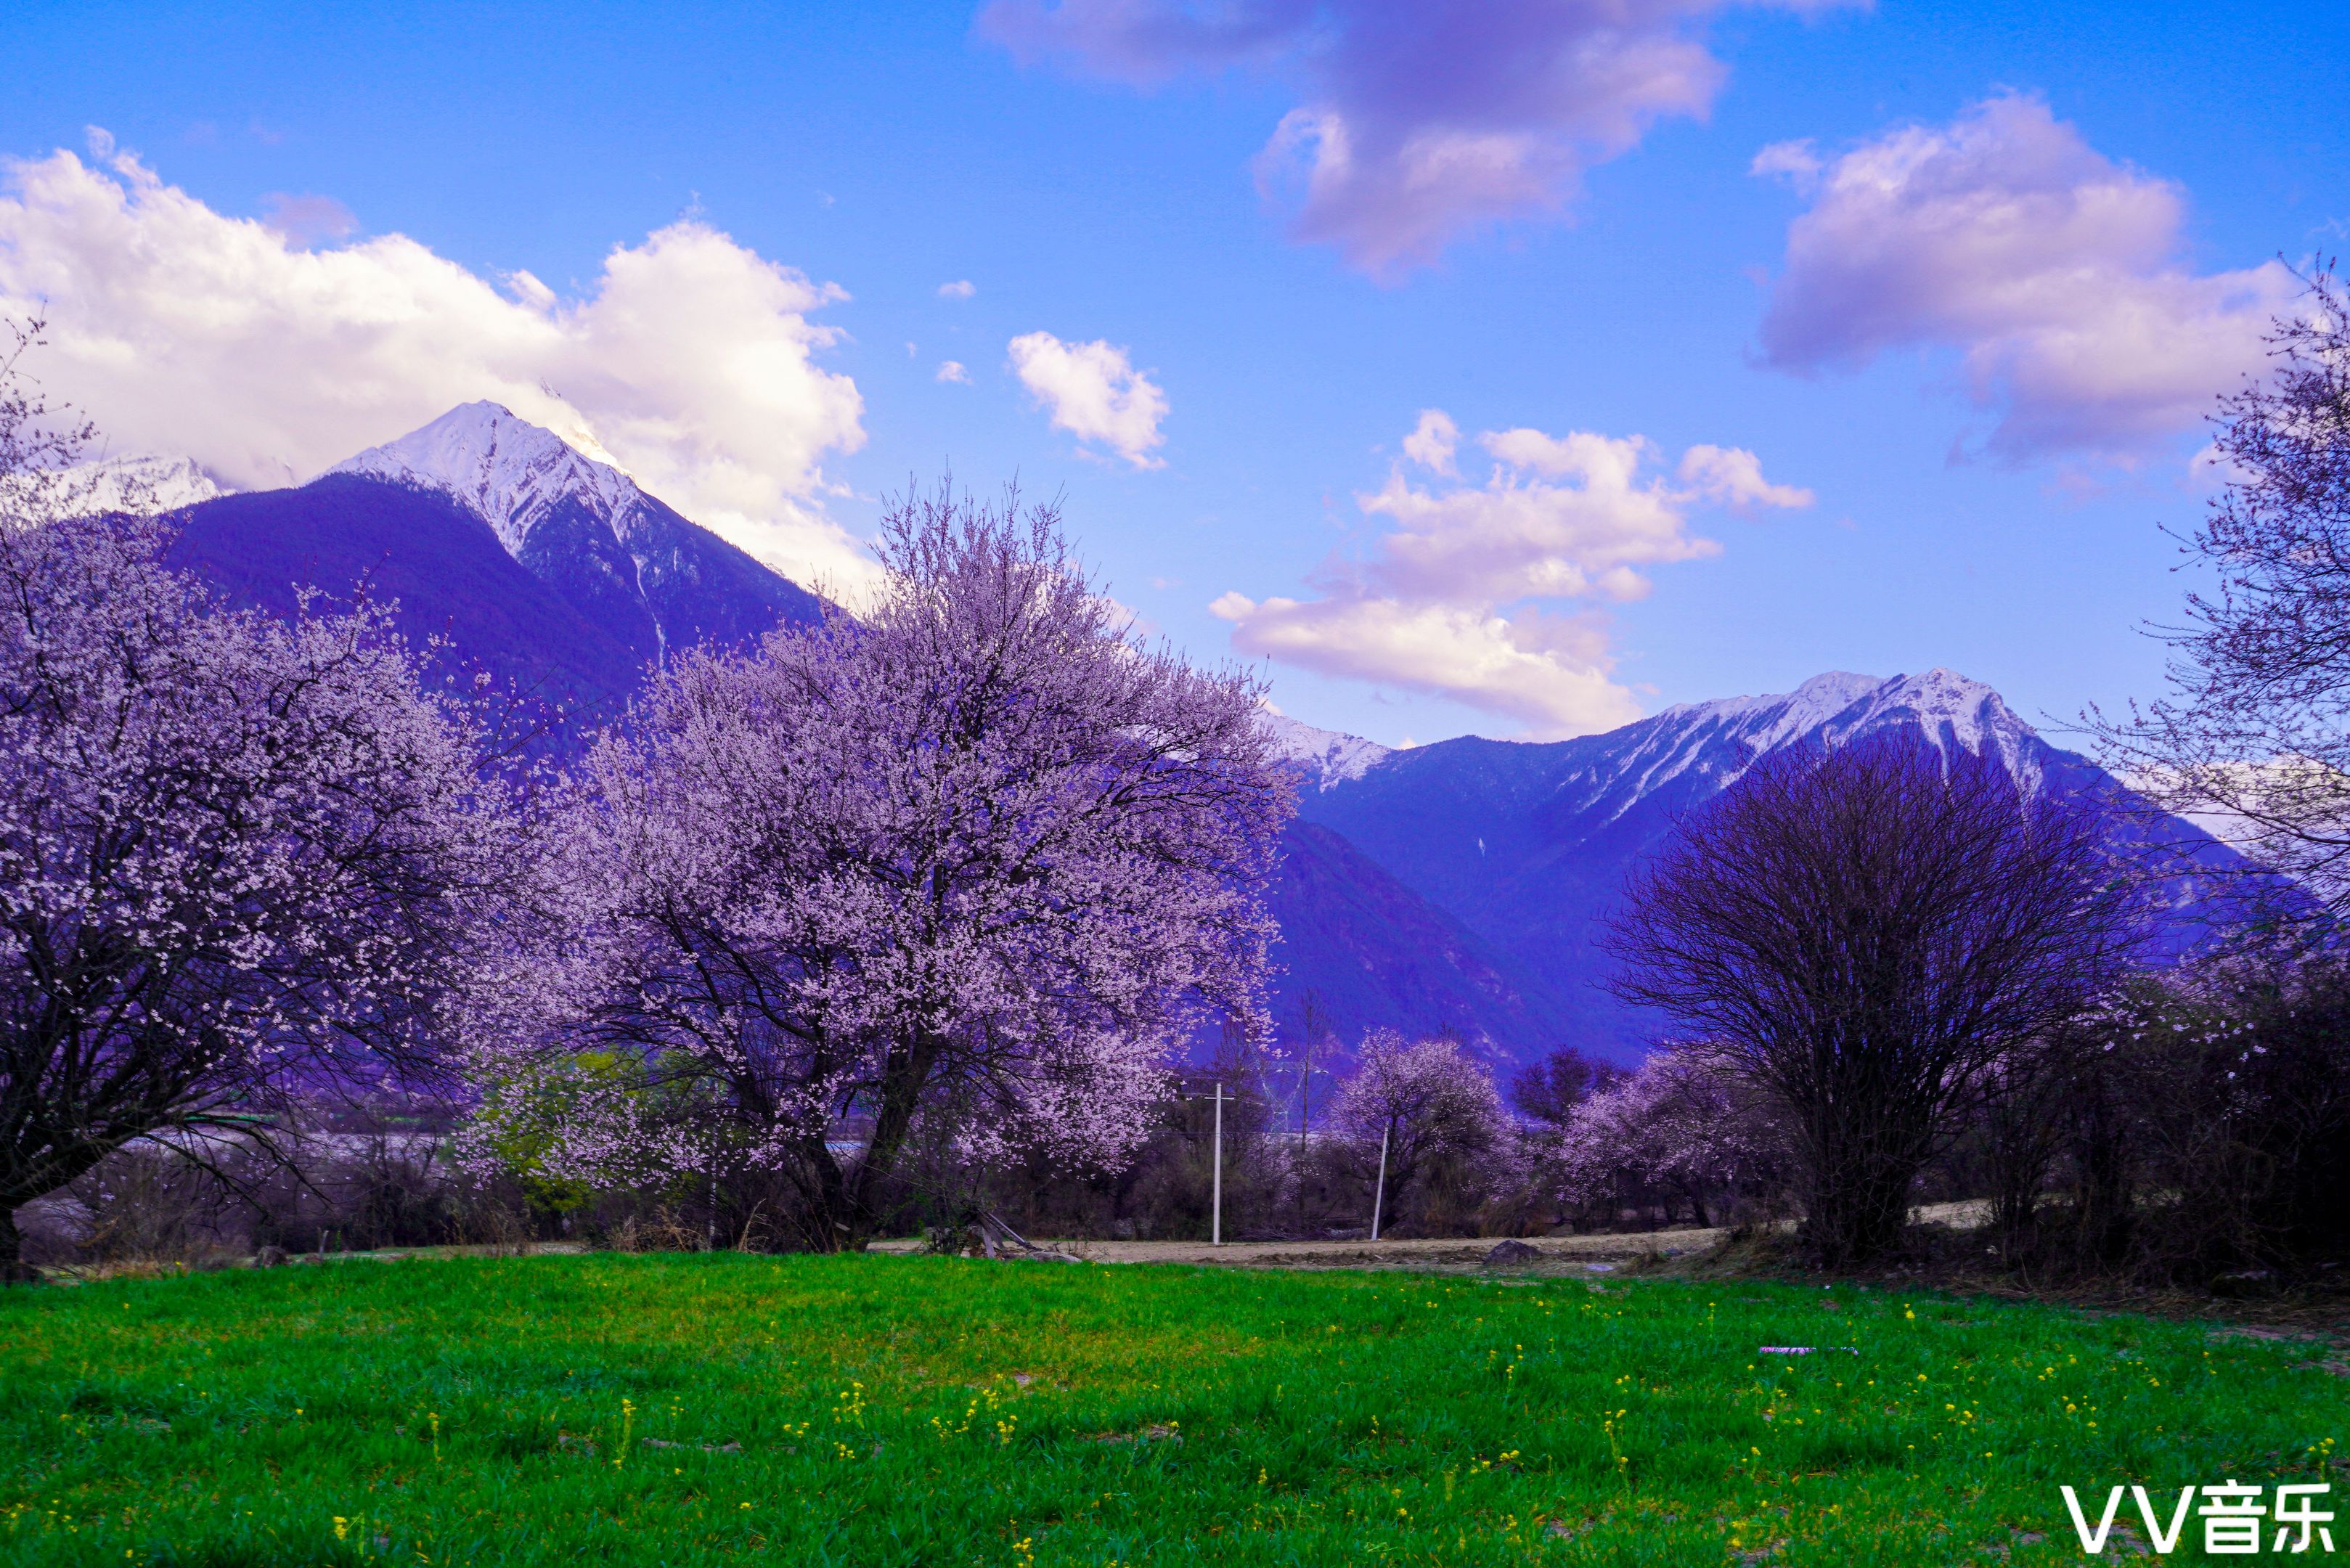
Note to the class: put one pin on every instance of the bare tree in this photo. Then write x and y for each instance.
(1863, 931)
(1549, 1090)
(2257, 729)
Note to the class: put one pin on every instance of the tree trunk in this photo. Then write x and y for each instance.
(829, 1200)
(849, 1198)
(1860, 1180)
(1856, 1216)
(2103, 1208)
(2021, 1152)
(13, 1270)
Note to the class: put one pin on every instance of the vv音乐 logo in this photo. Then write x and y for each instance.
(2234, 1516)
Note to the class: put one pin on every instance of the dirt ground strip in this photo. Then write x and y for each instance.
(1560, 1254)
(1597, 1254)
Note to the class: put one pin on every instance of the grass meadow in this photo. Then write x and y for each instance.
(881, 1410)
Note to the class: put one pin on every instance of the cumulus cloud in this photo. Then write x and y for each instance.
(1417, 121)
(961, 288)
(1094, 393)
(181, 329)
(1456, 596)
(1433, 441)
(1733, 477)
(1549, 674)
(952, 370)
(2056, 273)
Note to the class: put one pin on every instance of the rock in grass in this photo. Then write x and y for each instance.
(1509, 1254)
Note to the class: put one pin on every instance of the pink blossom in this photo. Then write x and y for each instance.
(1679, 1122)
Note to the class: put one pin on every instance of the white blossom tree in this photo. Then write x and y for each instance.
(239, 857)
(976, 861)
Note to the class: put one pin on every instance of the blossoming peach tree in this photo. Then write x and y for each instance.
(1680, 1125)
(1429, 1103)
(970, 866)
(239, 856)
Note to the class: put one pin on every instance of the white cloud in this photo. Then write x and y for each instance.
(1733, 477)
(952, 370)
(1797, 159)
(2056, 273)
(1451, 599)
(961, 288)
(1094, 393)
(306, 219)
(1433, 441)
(1561, 517)
(1419, 122)
(1551, 674)
(181, 329)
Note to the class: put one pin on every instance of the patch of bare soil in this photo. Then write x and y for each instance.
(1578, 1255)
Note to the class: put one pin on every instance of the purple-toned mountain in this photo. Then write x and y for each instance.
(1526, 847)
(436, 559)
(550, 567)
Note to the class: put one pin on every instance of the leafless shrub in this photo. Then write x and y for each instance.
(1863, 931)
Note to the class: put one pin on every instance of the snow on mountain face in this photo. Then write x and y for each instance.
(510, 471)
(1719, 740)
(146, 485)
(1327, 757)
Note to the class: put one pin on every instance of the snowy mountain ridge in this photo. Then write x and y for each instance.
(145, 485)
(1724, 737)
(1717, 739)
(1527, 845)
(1948, 705)
(563, 509)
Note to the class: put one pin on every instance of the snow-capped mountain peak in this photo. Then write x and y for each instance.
(1327, 757)
(501, 465)
(1947, 708)
(1950, 703)
(1805, 709)
(576, 521)
(1717, 742)
(1947, 705)
(146, 485)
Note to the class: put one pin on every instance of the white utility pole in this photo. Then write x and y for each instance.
(1380, 1193)
(1216, 1222)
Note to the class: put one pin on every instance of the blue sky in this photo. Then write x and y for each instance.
(1970, 306)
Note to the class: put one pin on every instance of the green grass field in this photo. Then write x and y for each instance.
(871, 1410)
